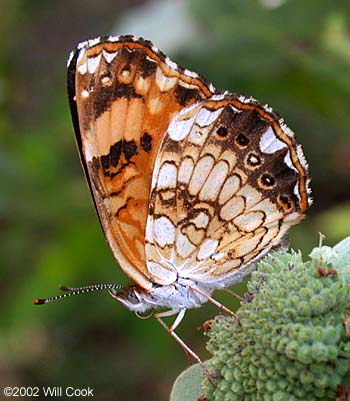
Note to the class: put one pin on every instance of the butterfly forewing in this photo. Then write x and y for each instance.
(228, 183)
(123, 94)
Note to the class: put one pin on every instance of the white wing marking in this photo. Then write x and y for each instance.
(269, 143)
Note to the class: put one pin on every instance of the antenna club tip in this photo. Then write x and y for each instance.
(39, 301)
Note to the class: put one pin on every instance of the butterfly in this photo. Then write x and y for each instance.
(191, 185)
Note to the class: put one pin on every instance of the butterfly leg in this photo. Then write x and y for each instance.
(189, 353)
(234, 294)
(171, 329)
(180, 315)
(216, 303)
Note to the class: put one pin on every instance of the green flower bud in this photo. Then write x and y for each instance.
(305, 354)
(319, 351)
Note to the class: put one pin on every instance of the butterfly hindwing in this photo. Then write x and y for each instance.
(228, 183)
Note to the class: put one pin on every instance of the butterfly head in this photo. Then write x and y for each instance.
(132, 298)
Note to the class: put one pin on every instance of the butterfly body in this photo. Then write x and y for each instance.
(179, 295)
(192, 186)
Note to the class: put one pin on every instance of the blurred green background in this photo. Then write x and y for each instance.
(292, 55)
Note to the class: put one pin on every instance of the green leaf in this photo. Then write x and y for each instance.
(187, 386)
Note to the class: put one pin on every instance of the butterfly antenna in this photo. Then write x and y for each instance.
(69, 291)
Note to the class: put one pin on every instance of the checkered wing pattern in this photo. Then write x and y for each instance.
(228, 182)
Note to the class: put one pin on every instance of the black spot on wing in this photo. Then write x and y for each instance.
(125, 90)
(242, 140)
(129, 149)
(146, 142)
(185, 95)
(104, 96)
(147, 66)
(105, 162)
(112, 159)
(114, 153)
(285, 201)
(138, 58)
(222, 131)
(267, 180)
(102, 100)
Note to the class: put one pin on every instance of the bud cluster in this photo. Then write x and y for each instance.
(293, 342)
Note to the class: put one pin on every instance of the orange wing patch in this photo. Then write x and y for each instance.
(123, 93)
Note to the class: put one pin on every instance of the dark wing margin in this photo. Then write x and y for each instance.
(71, 70)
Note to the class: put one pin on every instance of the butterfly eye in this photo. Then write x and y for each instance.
(222, 132)
(242, 141)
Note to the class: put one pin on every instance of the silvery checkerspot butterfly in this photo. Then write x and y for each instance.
(192, 186)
